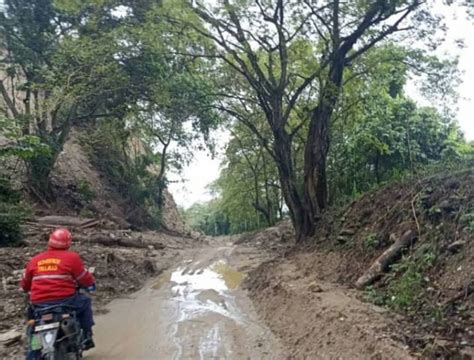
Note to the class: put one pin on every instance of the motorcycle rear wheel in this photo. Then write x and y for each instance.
(61, 354)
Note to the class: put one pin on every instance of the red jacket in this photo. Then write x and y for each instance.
(54, 275)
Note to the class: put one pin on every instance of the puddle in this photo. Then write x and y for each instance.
(231, 277)
(203, 291)
(219, 277)
(202, 297)
(198, 280)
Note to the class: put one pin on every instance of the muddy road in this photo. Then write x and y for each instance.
(196, 310)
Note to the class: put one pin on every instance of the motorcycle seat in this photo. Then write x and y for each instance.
(41, 309)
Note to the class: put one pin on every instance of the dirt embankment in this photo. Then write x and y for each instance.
(307, 293)
(80, 188)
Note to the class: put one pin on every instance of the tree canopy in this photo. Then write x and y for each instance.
(312, 93)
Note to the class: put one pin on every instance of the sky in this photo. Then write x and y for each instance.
(191, 185)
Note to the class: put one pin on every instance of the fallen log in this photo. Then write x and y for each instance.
(380, 266)
(57, 220)
(106, 240)
(89, 224)
(39, 225)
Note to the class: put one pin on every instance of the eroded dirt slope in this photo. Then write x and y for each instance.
(321, 320)
(427, 295)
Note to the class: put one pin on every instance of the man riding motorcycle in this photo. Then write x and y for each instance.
(53, 276)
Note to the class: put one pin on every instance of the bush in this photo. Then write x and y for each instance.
(406, 283)
(12, 214)
(85, 190)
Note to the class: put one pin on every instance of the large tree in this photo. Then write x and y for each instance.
(68, 63)
(261, 42)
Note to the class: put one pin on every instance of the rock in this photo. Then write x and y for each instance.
(456, 246)
(341, 239)
(347, 232)
(315, 288)
(10, 337)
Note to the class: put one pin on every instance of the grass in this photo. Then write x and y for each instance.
(406, 283)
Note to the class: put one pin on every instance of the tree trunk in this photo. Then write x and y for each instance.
(300, 217)
(315, 182)
(160, 180)
(317, 144)
(40, 167)
(270, 205)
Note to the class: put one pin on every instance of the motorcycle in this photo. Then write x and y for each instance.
(54, 331)
(55, 334)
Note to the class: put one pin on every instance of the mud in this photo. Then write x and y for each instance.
(320, 320)
(119, 271)
(197, 310)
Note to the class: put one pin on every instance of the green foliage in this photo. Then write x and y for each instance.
(12, 214)
(110, 148)
(371, 241)
(375, 296)
(378, 136)
(157, 71)
(248, 191)
(206, 218)
(84, 188)
(19, 145)
(467, 221)
(81, 61)
(14, 145)
(382, 135)
(406, 282)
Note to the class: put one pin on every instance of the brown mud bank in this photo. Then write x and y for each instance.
(421, 305)
(319, 320)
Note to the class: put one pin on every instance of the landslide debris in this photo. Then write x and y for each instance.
(121, 267)
(423, 281)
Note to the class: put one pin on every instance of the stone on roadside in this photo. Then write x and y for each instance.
(10, 337)
(315, 288)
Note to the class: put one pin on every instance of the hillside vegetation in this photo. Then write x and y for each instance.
(429, 284)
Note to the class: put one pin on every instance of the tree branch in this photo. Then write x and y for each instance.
(8, 100)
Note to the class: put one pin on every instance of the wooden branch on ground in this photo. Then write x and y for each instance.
(380, 266)
(105, 240)
(89, 224)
